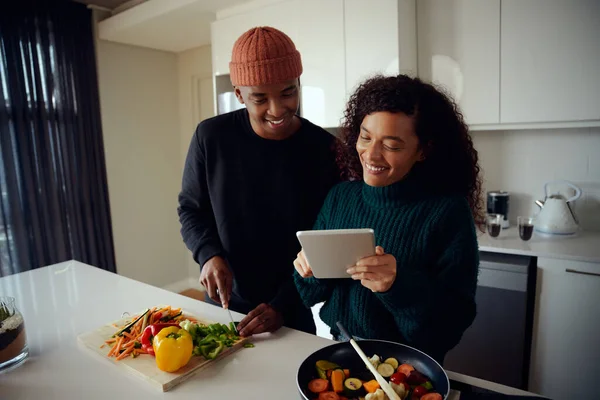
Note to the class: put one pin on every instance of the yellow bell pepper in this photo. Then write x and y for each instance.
(173, 348)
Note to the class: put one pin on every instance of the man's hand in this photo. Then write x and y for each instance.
(217, 279)
(263, 318)
(377, 272)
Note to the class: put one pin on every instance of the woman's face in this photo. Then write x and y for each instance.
(388, 147)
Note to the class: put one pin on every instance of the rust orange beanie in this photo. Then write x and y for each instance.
(264, 56)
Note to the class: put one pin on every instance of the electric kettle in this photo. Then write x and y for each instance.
(556, 216)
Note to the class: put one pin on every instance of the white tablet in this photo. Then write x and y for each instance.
(330, 252)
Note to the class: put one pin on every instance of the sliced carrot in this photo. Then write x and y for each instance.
(337, 380)
(111, 340)
(128, 335)
(318, 385)
(371, 386)
(103, 346)
(347, 373)
(328, 396)
(140, 351)
(405, 369)
(431, 396)
(124, 354)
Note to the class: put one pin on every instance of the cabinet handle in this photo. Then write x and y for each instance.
(574, 271)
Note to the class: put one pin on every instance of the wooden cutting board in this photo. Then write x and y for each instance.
(144, 366)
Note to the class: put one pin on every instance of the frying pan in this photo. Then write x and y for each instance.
(345, 356)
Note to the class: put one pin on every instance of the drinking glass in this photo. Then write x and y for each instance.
(13, 342)
(494, 224)
(525, 227)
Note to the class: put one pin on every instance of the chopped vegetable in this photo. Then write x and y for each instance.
(337, 380)
(353, 387)
(427, 385)
(432, 396)
(328, 396)
(385, 370)
(127, 328)
(416, 378)
(392, 361)
(376, 395)
(318, 385)
(371, 386)
(398, 377)
(375, 360)
(406, 369)
(419, 391)
(400, 389)
(248, 345)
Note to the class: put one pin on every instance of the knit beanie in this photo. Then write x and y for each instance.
(264, 56)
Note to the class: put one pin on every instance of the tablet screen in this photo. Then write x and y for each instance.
(331, 252)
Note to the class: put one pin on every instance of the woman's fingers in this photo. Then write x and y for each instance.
(371, 276)
(302, 266)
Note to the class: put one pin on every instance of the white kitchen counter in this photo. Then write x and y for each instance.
(583, 247)
(61, 301)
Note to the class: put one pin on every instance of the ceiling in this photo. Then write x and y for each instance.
(110, 4)
(170, 25)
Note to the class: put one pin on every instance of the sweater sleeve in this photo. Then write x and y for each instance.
(198, 227)
(313, 290)
(433, 305)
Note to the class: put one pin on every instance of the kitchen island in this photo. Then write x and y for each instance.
(61, 301)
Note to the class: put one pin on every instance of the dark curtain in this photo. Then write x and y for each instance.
(54, 203)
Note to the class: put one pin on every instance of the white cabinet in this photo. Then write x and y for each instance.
(371, 31)
(566, 333)
(550, 58)
(342, 42)
(225, 32)
(321, 44)
(459, 49)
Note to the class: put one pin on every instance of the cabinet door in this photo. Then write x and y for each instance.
(321, 44)
(225, 32)
(371, 31)
(566, 332)
(459, 49)
(550, 58)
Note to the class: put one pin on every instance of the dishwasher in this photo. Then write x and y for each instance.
(497, 346)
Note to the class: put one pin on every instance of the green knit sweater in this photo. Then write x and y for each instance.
(432, 301)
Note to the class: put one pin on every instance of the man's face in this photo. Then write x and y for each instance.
(271, 108)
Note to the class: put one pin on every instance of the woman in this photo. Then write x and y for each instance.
(413, 178)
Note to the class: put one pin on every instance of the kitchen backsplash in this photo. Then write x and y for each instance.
(521, 161)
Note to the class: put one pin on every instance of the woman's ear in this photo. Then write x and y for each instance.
(426, 150)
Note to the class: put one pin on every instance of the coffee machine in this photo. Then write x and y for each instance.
(497, 203)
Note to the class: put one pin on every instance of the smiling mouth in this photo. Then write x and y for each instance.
(275, 122)
(374, 168)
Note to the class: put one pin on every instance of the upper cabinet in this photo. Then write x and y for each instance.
(224, 32)
(321, 43)
(550, 61)
(459, 50)
(372, 40)
(342, 42)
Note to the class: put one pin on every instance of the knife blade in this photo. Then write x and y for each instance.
(232, 321)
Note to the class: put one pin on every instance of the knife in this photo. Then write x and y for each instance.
(232, 321)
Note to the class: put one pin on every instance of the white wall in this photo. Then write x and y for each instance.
(141, 127)
(194, 69)
(522, 161)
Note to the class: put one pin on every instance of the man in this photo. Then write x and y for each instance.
(252, 178)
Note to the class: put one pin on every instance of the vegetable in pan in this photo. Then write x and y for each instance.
(335, 383)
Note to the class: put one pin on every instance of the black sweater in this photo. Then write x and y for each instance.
(244, 197)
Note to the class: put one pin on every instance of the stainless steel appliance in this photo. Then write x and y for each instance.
(497, 346)
(498, 203)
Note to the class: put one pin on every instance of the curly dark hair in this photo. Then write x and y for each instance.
(451, 163)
